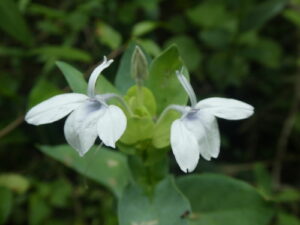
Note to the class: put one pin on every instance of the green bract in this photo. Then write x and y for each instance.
(140, 125)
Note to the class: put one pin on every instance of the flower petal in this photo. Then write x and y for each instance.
(226, 108)
(196, 127)
(71, 134)
(187, 87)
(81, 126)
(211, 132)
(54, 108)
(111, 125)
(185, 146)
(95, 74)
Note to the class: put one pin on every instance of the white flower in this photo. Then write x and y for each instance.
(90, 117)
(196, 132)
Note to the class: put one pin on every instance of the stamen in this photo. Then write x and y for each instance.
(95, 74)
(187, 87)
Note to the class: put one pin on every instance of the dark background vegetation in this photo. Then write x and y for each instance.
(248, 50)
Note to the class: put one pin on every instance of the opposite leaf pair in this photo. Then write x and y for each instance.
(195, 133)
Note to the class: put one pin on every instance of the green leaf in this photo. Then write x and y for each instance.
(263, 180)
(261, 14)
(188, 49)
(249, 38)
(163, 81)
(166, 207)
(43, 90)
(210, 14)
(39, 210)
(13, 23)
(106, 167)
(61, 191)
(108, 35)
(124, 79)
(287, 219)
(105, 86)
(216, 38)
(74, 77)
(77, 20)
(265, 51)
(287, 195)
(6, 200)
(14, 182)
(62, 52)
(143, 27)
(48, 12)
(293, 16)
(9, 85)
(225, 69)
(219, 200)
(150, 46)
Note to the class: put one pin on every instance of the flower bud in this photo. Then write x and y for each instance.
(139, 66)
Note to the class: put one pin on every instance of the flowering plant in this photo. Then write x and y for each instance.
(150, 117)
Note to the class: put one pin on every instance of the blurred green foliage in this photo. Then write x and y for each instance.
(247, 50)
